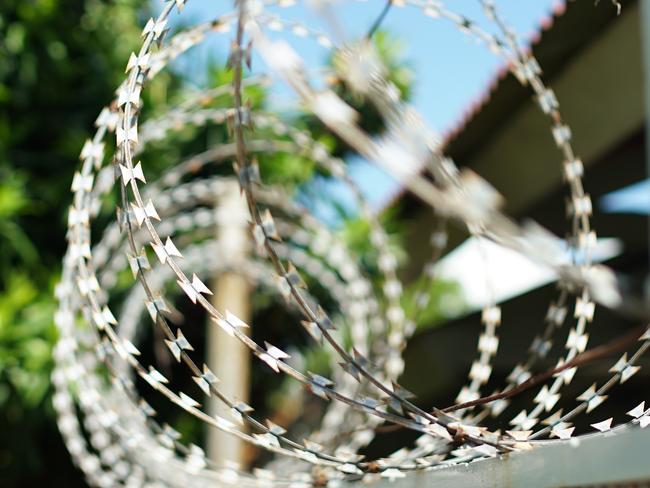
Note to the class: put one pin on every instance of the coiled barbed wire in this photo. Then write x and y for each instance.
(119, 443)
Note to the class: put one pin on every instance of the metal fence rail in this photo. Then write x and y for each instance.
(621, 456)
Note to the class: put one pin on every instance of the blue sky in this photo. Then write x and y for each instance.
(633, 199)
(451, 70)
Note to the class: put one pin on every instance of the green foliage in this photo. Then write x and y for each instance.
(444, 296)
(356, 232)
(26, 335)
(13, 204)
(390, 52)
(445, 301)
(59, 64)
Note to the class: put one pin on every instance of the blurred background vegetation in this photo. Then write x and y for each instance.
(59, 64)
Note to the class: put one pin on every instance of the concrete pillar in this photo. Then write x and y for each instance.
(227, 358)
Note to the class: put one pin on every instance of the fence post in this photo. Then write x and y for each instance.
(226, 356)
